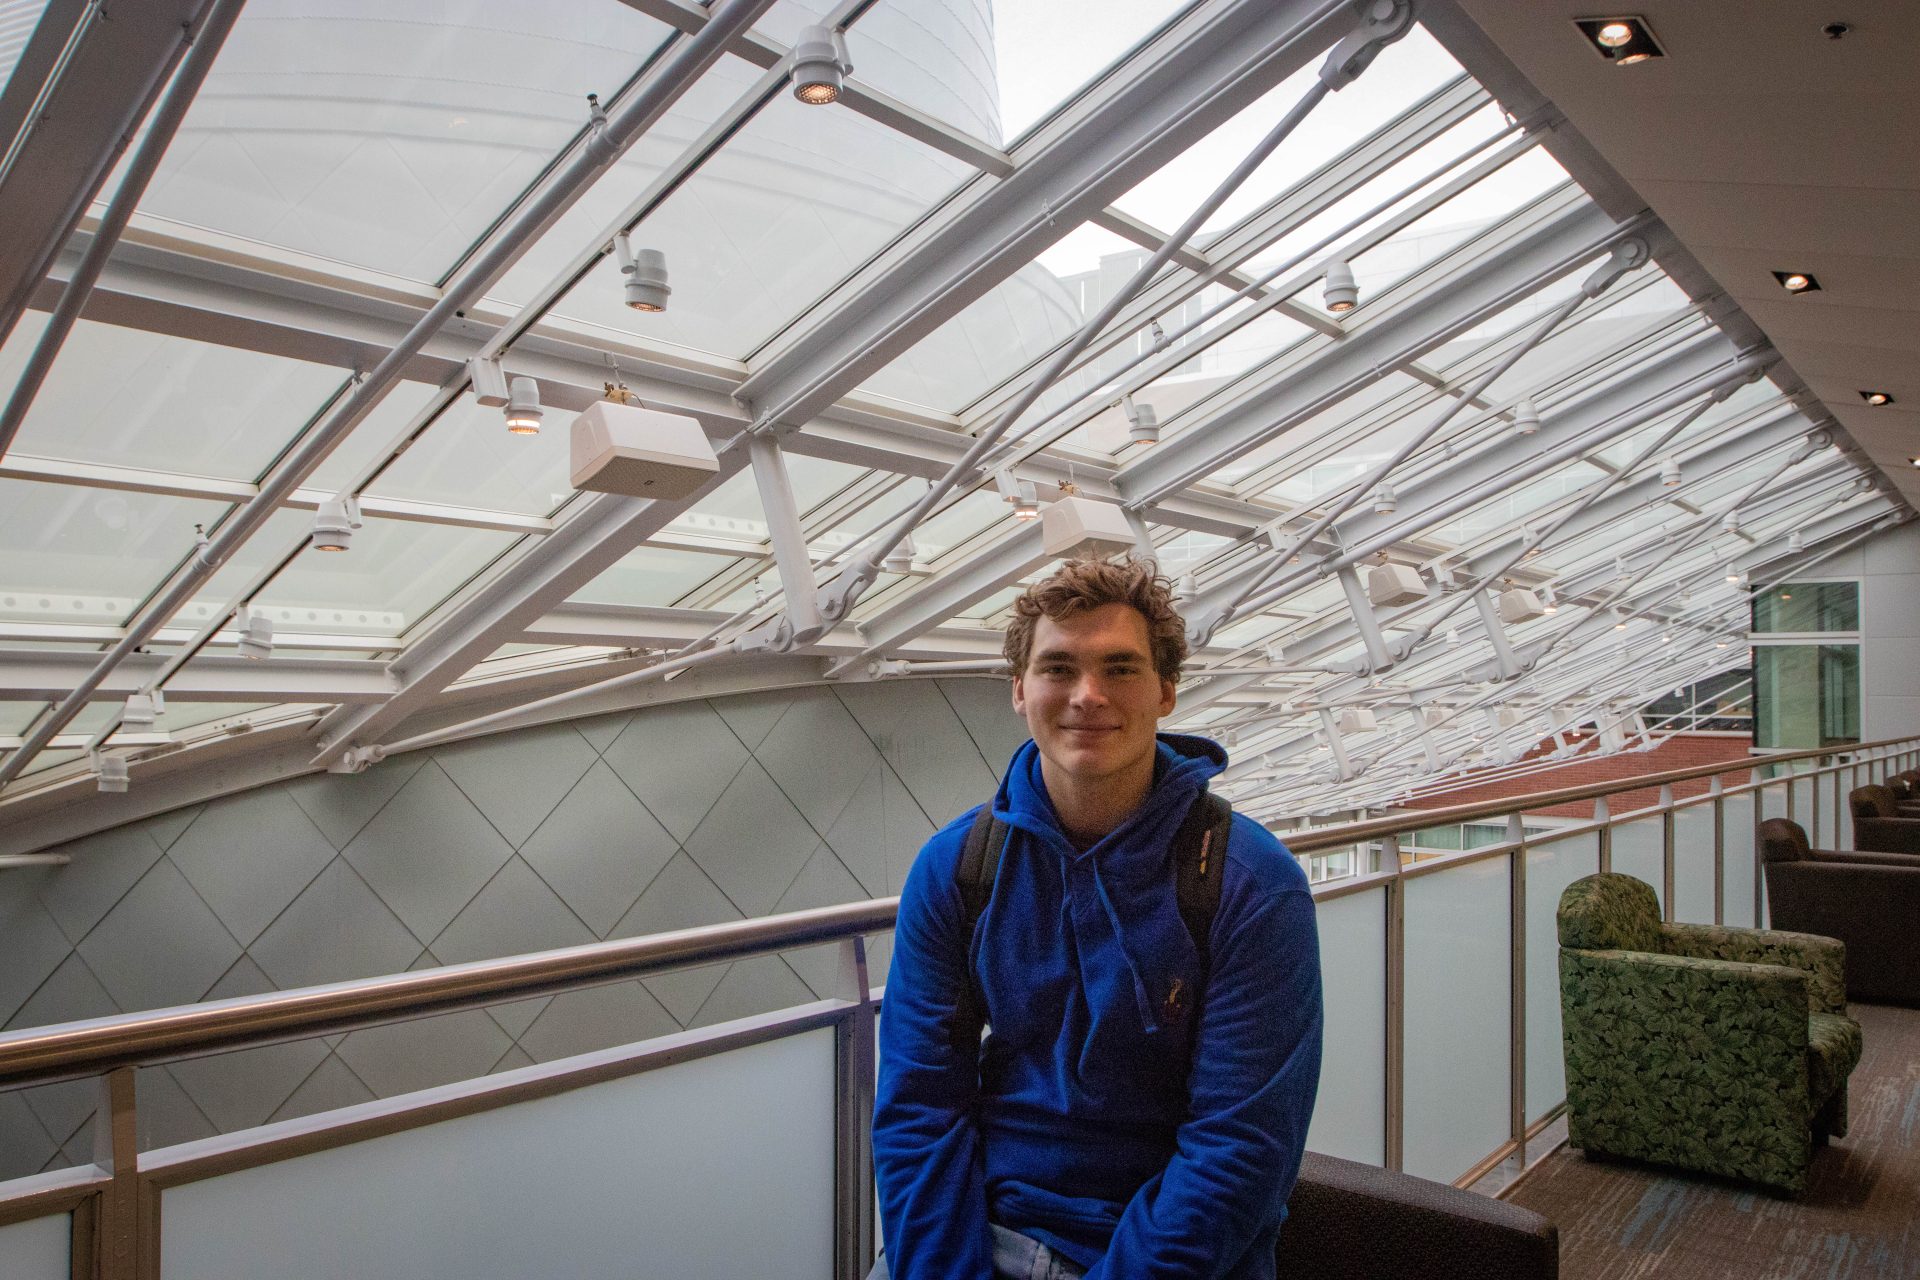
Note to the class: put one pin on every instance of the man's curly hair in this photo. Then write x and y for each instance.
(1088, 584)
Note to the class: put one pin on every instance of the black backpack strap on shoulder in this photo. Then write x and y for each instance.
(979, 866)
(1199, 864)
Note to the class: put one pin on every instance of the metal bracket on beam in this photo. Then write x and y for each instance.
(789, 543)
(1380, 658)
(1509, 664)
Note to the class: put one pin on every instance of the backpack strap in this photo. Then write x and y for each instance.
(1199, 858)
(979, 867)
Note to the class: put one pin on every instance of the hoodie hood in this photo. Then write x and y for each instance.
(1126, 875)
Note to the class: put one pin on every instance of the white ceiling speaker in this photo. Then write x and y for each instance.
(1517, 604)
(642, 453)
(1358, 720)
(1389, 585)
(1077, 528)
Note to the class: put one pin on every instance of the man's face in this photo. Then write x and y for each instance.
(1090, 695)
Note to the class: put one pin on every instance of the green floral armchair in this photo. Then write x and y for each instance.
(1716, 1049)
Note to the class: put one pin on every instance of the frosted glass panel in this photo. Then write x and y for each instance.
(1844, 818)
(1804, 806)
(1693, 864)
(1737, 866)
(716, 1168)
(1349, 1119)
(1637, 853)
(1458, 1016)
(1550, 869)
(37, 1249)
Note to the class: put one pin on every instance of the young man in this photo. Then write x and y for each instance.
(1111, 1124)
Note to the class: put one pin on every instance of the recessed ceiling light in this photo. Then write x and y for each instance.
(1622, 41)
(1877, 398)
(1797, 282)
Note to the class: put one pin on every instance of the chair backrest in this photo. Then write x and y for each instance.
(1871, 801)
(1784, 840)
(1610, 912)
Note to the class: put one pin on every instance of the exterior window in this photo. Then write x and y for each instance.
(1806, 695)
(1807, 606)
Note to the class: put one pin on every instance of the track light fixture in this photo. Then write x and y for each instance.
(1342, 292)
(1670, 474)
(1730, 522)
(489, 382)
(1143, 421)
(1620, 622)
(1526, 418)
(1877, 398)
(112, 772)
(820, 65)
(900, 559)
(334, 524)
(1795, 542)
(1019, 494)
(1797, 282)
(646, 275)
(523, 408)
(1548, 602)
(1160, 339)
(256, 633)
(142, 710)
(1385, 500)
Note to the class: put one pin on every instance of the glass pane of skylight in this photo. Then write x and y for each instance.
(89, 555)
(652, 576)
(936, 56)
(394, 566)
(1403, 74)
(130, 398)
(794, 202)
(389, 136)
(468, 458)
(1046, 51)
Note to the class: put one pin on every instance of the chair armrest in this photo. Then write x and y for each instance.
(1863, 857)
(1822, 959)
(1350, 1221)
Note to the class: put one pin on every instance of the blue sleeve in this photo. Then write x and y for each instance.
(1256, 1068)
(926, 1146)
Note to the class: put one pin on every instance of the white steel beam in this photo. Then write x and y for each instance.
(43, 675)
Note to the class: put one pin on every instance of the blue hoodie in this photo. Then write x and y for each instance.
(1089, 1119)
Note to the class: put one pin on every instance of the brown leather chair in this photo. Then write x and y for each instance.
(1906, 792)
(1878, 826)
(1350, 1221)
(1869, 901)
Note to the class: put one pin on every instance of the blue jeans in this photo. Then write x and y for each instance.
(1015, 1257)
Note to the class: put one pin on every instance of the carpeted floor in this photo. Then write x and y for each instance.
(1859, 1221)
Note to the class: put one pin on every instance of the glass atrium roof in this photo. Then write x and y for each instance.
(911, 300)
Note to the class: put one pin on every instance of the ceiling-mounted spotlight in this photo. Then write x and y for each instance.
(1622, 41)
(1797, 282)
(1342, 292)
(646, 275)
(1026, 502)
(1385, 500)
(1187, 590)
(900, 559)
(1526, 418)
(334, 523)
(523, 408)
(1453, 636)
(1795, 542)
(1620, 622)
(256, 633)
(820, 65)
(1159, 336)
(1722, 643)
(1143, 421)
(112, 771)
(1670, 473)
(1548, 603)
(1877, 398)
(489, 382)
(1730, 522)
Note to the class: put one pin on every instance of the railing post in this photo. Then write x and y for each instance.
(853, 1118)
(1603, 814)
(1718, 791)
(1666, 850)
(1517, 986)
(116, 1149)
(1813, 802)
(1396, 1030)
(1759, 807)
(1834, 778)
(1788, 784)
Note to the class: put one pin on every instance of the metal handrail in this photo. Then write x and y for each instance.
(80, 1049)
(1373, 828)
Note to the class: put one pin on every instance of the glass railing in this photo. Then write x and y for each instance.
(743, 1148)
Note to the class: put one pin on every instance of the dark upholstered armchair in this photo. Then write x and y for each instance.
(1350, 1221)
(1878, 826)
(1717, 1049)
(1869, 901)
(1906, 792)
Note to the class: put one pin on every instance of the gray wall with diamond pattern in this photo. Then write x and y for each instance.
(623, 825)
